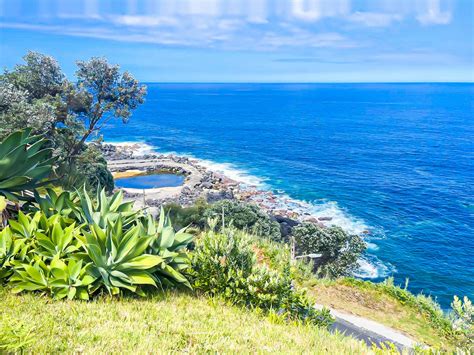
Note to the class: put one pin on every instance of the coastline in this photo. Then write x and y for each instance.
(217, 181)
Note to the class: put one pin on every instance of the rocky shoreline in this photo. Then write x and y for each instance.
(201, 182)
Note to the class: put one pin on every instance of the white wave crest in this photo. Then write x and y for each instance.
(370, 267)
(138, 148)
(232, 172)
(339, 217)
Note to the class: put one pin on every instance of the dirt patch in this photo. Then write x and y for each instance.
(127, 173)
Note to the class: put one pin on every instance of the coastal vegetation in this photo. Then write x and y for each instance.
(248, 217)
(124, 280)
(339, 250)
(38, 95)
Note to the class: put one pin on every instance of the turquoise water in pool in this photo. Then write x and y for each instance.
(150, 181)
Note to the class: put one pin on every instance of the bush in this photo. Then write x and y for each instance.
(224, 264)
(457, 326)
(340, 251)
(188, 216)
(89, 169)
(240, 215)
(463, 321)
(244, 216)
(74, 247)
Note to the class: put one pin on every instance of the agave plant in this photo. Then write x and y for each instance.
(118, 257)
(55, 240)
(105, 209)
(24, 164)
(71, 280)
(170, 245)
(66, 252)
(62, 280)
(65, 203)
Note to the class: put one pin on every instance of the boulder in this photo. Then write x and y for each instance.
(286, 225)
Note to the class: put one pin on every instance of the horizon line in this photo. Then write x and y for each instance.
(308, 82)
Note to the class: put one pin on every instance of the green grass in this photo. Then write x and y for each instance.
(159, 323)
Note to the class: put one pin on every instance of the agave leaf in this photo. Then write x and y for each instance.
(141, 278)
(143, 262)
(14, 181)
(166, 239)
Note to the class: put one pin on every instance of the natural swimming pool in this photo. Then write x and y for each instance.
(151, 181)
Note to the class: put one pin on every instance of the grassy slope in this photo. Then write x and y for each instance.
(176, 322)
(357, 297)
(367, 301)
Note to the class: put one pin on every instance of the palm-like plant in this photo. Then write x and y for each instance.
(25, 163)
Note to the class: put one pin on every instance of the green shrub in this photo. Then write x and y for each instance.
(246, 217)
(89, 169)
(74, 247)
(188, 216)
(240, 215)
(463, 321)
(224, 265)
(340, 251)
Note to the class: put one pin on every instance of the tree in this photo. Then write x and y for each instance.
(106, 95)
(340, 251)
(38, 95)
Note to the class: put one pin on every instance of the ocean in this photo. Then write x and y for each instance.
(396, 160)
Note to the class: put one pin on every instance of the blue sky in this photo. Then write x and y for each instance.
(250, 40)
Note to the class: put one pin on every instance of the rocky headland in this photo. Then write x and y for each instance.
(201, 182)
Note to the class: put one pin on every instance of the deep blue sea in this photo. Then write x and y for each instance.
(397, 159)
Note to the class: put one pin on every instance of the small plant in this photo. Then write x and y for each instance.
(463, 321)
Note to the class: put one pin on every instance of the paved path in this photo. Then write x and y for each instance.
(368, 330)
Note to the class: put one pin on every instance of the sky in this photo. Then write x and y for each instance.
(250, 40)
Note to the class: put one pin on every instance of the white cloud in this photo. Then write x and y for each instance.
(205, 37)
(229, 24)
(144, 21)
(416, 57)
(374, 19)
(433, 15)
(314, 10)
(301, 38)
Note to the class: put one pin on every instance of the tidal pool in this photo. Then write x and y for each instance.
(151, 181)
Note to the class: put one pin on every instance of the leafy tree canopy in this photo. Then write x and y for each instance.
(37, 94)
(340, 251)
